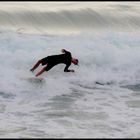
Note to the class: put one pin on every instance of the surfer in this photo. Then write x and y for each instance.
(51, 61)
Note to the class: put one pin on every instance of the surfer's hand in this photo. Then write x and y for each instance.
(72, 70)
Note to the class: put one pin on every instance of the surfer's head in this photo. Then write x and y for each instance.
(74, 61)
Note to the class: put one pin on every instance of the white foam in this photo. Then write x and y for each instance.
(107, 57)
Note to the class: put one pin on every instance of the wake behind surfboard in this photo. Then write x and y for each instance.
(103, 83)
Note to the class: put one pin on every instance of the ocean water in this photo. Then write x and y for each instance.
(100, 100)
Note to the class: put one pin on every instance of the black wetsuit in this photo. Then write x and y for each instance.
(57, 59)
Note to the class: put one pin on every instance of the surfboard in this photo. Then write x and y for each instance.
(35, 79)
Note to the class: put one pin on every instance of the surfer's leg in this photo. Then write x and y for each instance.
(36, 65)
(40, 72)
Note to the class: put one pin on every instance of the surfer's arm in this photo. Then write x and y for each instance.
(65, 51)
